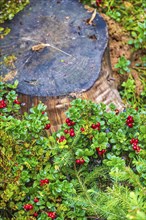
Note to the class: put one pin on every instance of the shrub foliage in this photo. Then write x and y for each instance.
(94, 167)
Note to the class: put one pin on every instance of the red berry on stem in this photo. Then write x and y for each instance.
(100, 153)
(72, 123)
(17, 102)
(132, 141)
(62, 138)
(35, 214)
(66, 131)
(67, 120)
(2, 104)
(47, 126)
(52, 215)
(138, 149)
(43, 182)
(97, 149)
(93, 126)
(78, 161)
(36, 200)
(134, 147)
(130, 125)
(136, 141)
(82, 129)
(103, 151)
(82, 161)
(69, 123)
(28, 207)
(72, 134)
(98, 124)
(130, 119)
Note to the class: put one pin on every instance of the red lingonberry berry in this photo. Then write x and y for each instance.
(132, 141)
(82, 161)
(52, 215)
(136, 141)
(71, 130)
(130, 119)
(78, 161)
(100, 153)
(72, 123)
(98, 124)
(103, 151)
(43, 113)
(97, 149)
(47, 126)
(35, 214)
(134, 147)
(36, 200)
(62, 138)
(69, 123)
(2, 104)
(82, 129)
(67, 120)
(130, 125)
(93, 126)
(66, 131)
(17, 102)
(28, 207)
(46, 180)
(138, 149)
(43, 182)
(72, 134)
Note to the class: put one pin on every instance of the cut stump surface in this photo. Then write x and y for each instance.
(60, 55)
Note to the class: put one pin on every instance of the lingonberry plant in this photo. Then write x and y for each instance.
(92, 168)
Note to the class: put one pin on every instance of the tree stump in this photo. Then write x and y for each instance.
(61, 54)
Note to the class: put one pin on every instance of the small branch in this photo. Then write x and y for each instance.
(42, 45)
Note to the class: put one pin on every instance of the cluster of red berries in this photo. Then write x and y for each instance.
(61, 139)
(80, 161)
(100, 152)
(36, 200)
(52, 215)
(47, 126)
(70, 131)
(135, 146)
(96, 126)
(28, 207)
(17, 102)
(130, 121)
(69, 122)
(2, 104)
(43, 182)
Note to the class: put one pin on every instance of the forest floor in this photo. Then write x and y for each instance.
(118, 39)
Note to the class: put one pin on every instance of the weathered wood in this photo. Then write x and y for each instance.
(60, 50)
(103, 90)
